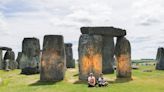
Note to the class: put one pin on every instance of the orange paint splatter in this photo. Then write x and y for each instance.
(92, 64)
(123, 63)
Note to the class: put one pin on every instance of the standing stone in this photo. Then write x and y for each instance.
(30, 57)
(90, 55)
(108, 55)
(18, 59)
(70, 63)
(1, 61)
(53, 62)
(160, 59)
(9, 60)
(123, 58)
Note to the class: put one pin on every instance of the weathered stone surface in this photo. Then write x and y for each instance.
(110, 31)
(30, 56)
(18, 59)
(9, 60)
(123, 58)
(90, 55)
(160, 59)
(53, 62)
(70, 63)
(1, 61)
(108, 55)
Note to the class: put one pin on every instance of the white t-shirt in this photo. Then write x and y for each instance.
(91, 80)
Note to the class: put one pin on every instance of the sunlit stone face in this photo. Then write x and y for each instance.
(53, 59)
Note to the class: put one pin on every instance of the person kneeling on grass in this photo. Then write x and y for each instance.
(101, 81)
(91, 80)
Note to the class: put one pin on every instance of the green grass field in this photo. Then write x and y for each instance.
(142, 82)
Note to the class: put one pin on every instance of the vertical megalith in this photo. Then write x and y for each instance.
(1, 61)
(9, 60)
(90, 55)
(70, 63)
(18, 59)
(108, 54)
(30, 57)
(53, 59)
(160, 59)
(123, 58)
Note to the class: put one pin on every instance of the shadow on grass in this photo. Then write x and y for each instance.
(80, 82)
(120, 80)
(42, 83)
(75, 75)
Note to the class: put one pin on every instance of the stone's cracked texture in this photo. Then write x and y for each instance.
(70, 63)
(108, 55)
(90, 55)
(160, 59)
(123, 58)
(53, 62)
(9, 60)
(30, 56)
(110, 31)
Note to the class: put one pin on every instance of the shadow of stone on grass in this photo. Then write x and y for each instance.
(80, 82)
(39, 83)
(75, 75)
(122, 80)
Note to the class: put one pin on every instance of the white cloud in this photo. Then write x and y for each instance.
(149, 12)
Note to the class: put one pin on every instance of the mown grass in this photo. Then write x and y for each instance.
(142, 82)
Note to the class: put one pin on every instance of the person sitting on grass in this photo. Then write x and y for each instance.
(101, 81)
(91, 80)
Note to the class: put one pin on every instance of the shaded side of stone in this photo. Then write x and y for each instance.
(90, 55)
(160, 59)
(53, 62)
(110, 31)
(18, 59)
(30, 57)
(70, 63)
(123, 58)
(9, 61)
(1, 61)
(108, 55)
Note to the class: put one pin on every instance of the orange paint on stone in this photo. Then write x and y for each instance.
(123, 63)
(97, 63)
(90, 63)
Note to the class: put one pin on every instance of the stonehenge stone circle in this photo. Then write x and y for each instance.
(123, 58)
(90, 55)
(70, 63)
(160, 59)
(53, 61)
(30, 57)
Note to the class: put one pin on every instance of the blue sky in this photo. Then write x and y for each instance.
(143, 20)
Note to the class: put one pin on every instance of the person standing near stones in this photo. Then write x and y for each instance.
(91, 80)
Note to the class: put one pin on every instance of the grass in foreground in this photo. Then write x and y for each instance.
(142, 82)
